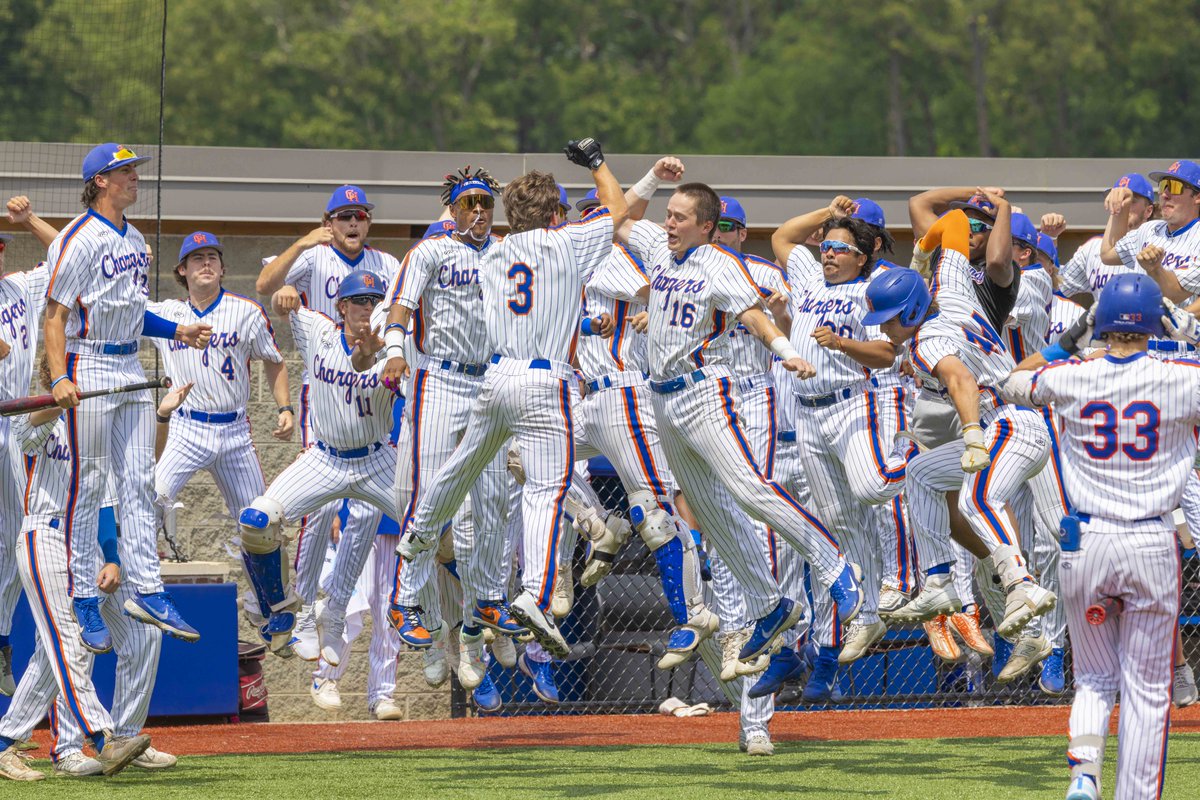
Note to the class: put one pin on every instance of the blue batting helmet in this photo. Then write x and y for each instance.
(899, 293)
(361, 283)
(1130, 303)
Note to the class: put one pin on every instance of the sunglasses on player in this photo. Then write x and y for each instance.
(471, 201)
(1173, 186)
(979, 226)
(838, 248)
(346, 216)
(364, 300)
(727, 225)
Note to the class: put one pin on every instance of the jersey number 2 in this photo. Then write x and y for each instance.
(1144, 415)
(522, 275)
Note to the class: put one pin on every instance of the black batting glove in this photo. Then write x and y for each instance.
(585, 153)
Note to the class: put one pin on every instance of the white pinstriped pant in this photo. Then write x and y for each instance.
(890, 519)
(12, 484)
(1132, 654)
(225, 450)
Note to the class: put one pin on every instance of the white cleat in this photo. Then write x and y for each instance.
(330, 626)
(306, 645)
(1027, 653)
(325, 694)
(13, 767)
(757, 743)
(436, 658)
(1025, 601)
(503, 650)
(120, 751)
(155, 759)
(937, 597)
(1183, 687)
(890, 600)
(77, 765)
(859, 639)
(386, 710)
(1082, 788)
(563, 598)
(8, 684)
(471, 666)
(543, 627)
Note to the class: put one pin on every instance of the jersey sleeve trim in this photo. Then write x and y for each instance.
(62, 251)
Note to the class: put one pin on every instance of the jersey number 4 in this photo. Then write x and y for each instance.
(522, 277)
(1144, 416)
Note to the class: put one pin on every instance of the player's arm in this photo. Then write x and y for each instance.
(277, 377)
(963, 390)
(667, 168)
(108, 580)
(20, 212)
(1116, 203)
(587, 153)
(797, 230)
(1150, 259)
(760, 325)
(54, 329)
(169, 404)
(999, 247)
(395, 334)
(270, 280)
(877, 354)
(925, 208)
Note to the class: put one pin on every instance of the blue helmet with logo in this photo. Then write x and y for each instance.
(1130, 303)
(899, 292)
(361, 283)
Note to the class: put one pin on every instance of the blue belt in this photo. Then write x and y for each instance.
(357, 452)
(537, 363)
(219, 419)
(54, 524)
(826, 400)
(1169, 346)
(121, 349)
(1086, 517)
(673, 385)
(787, 436)
(605, 383)
(474, 370)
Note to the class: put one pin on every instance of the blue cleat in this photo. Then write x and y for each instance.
(820, 686)
(158, 609)
(767, 629)
(1053, 681)
(846, 591)
(785, 666)
(541, 674)
(406, 620)
(498, 616)
(92, 630)
(1003, 650)
(487, 696)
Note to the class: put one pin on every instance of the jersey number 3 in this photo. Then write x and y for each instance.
(522, 276)
(1144, 415)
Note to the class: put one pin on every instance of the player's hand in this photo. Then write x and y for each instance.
(109, 579)
(284, 426)
(1079, 333)
(315, 237)
(1053, 224)
(993, 194)
(4, 349)
(976, 457)
(195, 335)
(640, 321)
(286, 300)
(802, 368)
(65, 394)
(585, 153)
(825, 337)
(668, 168)
(335, 530)
(395, 372)
(777, 303)
(368, 345)
(841, 207)
(607, 325)
(19, 209)
(1150, 259)
(1118, 201)
(173, 399)
(1179, 324)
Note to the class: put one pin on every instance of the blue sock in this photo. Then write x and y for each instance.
(471, 630)
(98, 741)
(3, 640)
(940, 569)
(6, 742)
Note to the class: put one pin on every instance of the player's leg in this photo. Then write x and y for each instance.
(35, 695)
(138, 648)
(11, 511)
(385, 644)
(875, 461)
(89, 427)
(890, 521)
(481, 571)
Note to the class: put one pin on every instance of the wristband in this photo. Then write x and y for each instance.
(56, 381)
(394, 337)
(288, 409)
(587, 329)
(1055, 352)
(161, 418)
(393, 351)
(781, 347)
(646, 187)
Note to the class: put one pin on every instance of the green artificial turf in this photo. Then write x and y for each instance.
(922, 769)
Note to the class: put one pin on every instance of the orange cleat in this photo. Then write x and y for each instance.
(941, 640)
(966, 625)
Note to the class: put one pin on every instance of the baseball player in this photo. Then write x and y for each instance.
(351, 457)
(211, 431)
(96, 310)
(1128, 437)
(532, 283)
(309, 273)
(1085, 274)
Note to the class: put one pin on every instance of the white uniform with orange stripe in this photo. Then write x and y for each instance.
(693, 303)
(99, 273)
(1128, 437)
(532, 294)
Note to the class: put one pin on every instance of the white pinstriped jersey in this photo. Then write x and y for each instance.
(220, 372)
(1030, 317)
(1063, 312)
(978, 347)
(953, 285)
(749, 355)
(49, 489)
(99, 272)
(693, 302)
(533, 286)
(439, 282)
(803, 266)
(622, 276)
(22, 300)
(317, 274)
(1127, 431)
(840, 306)
(1181, 249)
(1085, 273)
(349, 409)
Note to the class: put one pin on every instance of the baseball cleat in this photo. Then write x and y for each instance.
(307, 646)
(1082, 788)
(412, 546)
(941, 641)
(437, 662)
(472, 669)
(120, 751)
(767, 630)
(1026, 654)
(92, 630)
(495, 614)
(846, 591)
(77, 765)
(966, 624)
(503, 650)
(1183, 687)
(819, 688)
(487, 697)
(7, 684)
(1025, 601)
(154, 759)
(891, 599)
(731, 644)
(683, 641)
(386, 710)
(325, 694)
(1004, 649)
(541, 675)
(330, 626)
(1053, 681)
(756, 743)
(860, 637)
(158, 609)
(13, 767)
(542, 626)
(936, 598)
(408, 625)
(563, 598)
(784, 666)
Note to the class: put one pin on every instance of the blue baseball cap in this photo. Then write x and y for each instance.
(1047, 247)
(590, 200)
(198, 241)
(868, 211)
(442, 226)
(978, 203)
(1023, 230)
(107, 157)
(732, 210)
(1136, 183)
(361, 283)
(348, 196)
(563, 200)
(1186, 171)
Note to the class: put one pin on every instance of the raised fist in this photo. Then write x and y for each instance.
(585, 153)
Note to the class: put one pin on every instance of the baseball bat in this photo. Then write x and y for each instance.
(1105, 608)
(24, 405)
